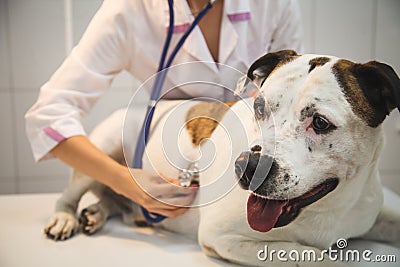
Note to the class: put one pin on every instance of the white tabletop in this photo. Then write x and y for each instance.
(22, 242)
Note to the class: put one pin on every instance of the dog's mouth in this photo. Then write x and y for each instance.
(264, 214)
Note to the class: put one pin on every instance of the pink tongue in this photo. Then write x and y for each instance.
(262, 214)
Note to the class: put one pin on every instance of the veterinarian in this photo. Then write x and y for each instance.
(129, 35)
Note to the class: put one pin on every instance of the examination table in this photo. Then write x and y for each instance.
(22, 242)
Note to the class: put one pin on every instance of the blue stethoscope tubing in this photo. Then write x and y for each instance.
(156, 91)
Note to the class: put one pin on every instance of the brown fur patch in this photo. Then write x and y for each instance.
(318, 61)
(203, 118)
(353, 93)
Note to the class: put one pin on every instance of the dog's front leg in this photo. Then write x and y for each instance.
(64, 222)
(248, 252)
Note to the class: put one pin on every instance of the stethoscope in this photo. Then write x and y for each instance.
(190, 174)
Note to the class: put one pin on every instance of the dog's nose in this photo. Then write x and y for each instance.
(252, 168)
(241, 169)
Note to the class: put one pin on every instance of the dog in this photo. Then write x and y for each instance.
(295, 168)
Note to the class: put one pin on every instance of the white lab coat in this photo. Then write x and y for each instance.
(129, 35)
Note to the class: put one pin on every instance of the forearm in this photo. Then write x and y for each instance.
(79, 153)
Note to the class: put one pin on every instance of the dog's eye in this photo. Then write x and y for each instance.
(259, 108)
(320, 124)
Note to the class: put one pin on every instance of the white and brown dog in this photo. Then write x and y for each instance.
(296, 171)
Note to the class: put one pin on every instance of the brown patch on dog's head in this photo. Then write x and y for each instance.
(372, 89)
(318, 61)
(203, 118)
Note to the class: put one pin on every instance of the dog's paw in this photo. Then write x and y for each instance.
(62, 226)
(92, 219)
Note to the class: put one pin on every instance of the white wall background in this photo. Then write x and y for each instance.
(33, 43)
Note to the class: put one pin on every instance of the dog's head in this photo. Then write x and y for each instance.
(320, 118)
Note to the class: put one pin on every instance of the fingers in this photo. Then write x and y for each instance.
(174, 203)
(169, 180)
(170, 192)
(171, 212)
(171, 199)
(162, 195)
(181, 201)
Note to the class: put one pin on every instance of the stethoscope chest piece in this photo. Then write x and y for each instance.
(189, 176)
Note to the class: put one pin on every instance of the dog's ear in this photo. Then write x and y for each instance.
(262, 68)
(380, 84)
(380, 88)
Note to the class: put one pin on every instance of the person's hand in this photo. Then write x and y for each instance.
(159, 195)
